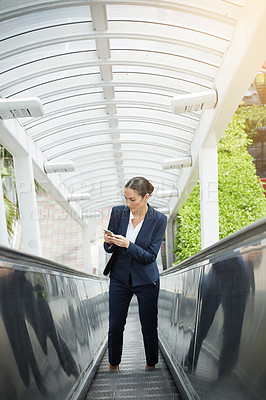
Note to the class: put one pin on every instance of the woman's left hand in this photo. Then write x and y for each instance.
(120, 241)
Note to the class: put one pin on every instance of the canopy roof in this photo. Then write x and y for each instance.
(106, 73)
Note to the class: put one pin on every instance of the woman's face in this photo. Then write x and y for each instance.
(134, 200)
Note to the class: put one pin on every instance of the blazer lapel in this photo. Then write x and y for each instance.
(124, 222)
(146, 224)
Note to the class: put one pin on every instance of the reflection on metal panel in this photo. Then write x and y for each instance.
(53, 327)
(213, 324)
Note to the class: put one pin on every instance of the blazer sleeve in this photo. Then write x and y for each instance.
(148, 255)
(111, 227)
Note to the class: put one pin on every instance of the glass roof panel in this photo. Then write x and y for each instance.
(107, 85)
(210, 14)
(193, 80)
(46, 52)
(43, 19)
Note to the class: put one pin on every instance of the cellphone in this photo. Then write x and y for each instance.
(107, 232)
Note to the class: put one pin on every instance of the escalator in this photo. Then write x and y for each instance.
(132, 381)
(212, 327)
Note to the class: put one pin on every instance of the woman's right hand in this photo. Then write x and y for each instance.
(108, 239)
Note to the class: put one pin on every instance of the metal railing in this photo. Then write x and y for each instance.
(212, 319)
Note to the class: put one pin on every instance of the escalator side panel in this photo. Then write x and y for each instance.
(52, 328)
(212, 320)
(178, 303)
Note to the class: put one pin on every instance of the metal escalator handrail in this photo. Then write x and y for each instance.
(28, 260)
(216, 249)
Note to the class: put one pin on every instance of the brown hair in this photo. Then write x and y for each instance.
(141, 185)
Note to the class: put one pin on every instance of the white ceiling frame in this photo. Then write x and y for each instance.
(113, 122)
(79, 176)
(114, 200)
(100, 23)
(222, 9)
(168, 180)
(92, 63)
(54, 128)
(52, 96)
(71, 151)
(169, 121)
(79, 57)
(143, 132)
(134, 83)
(100, 155)
(122, 176)
(96, 156)
(120, 103)
(67, 127)
(111, 108)
(186, 130)
(99, 16)
(174, 124)
(75, 32)
(117, 146)
(108, 92)
(103, 48)
(16, 141)
(111, 188)
(243, 60)
(189, 66)
(106, 73)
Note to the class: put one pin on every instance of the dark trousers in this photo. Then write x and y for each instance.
(120, 295)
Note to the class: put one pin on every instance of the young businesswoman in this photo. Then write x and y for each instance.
(138, 233)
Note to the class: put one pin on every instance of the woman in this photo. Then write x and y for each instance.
(138, 233)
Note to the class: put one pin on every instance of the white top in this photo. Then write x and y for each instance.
(132, 232)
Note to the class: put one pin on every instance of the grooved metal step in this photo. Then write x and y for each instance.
(132, 381)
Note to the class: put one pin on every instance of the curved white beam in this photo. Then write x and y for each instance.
(15, 140)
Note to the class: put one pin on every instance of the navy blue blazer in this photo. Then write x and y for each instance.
(140, 257)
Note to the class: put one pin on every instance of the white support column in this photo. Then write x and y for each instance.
(27, 205)
(3, 227)
(208, 172)
(87, 247)
(169, 245)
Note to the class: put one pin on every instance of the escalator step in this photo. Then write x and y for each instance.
(132, 381)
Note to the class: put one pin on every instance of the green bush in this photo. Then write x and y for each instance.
(241, 198)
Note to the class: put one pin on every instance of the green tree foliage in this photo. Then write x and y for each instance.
(9, 185)
(241, 198)
(11, 208)
(188, 236)
(254, 117)
(7, 180)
